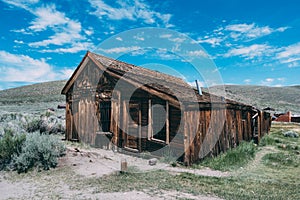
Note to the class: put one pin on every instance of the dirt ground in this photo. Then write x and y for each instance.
(88, 163)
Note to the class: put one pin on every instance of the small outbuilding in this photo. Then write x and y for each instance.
(110, 103)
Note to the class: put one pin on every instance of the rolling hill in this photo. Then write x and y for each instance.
(279, 98)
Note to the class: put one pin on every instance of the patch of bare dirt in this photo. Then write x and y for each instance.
(79, 164)
(99, 162)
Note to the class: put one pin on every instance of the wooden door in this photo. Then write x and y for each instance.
(133, 136)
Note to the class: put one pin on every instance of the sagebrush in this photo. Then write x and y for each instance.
(10, 145)
(39, 150)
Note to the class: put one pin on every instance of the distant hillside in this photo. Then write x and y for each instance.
(40, 92)
(279, 98)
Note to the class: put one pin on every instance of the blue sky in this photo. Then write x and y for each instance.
(249, 42)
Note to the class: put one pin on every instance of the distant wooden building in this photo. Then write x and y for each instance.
(140, 110)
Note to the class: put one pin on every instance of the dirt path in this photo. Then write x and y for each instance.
(99, 162)
(77, 165)
(255, 163)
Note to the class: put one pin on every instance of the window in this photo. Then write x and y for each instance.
(160, 121)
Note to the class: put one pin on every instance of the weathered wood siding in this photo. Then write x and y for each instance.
(205, 135)
(81, 111)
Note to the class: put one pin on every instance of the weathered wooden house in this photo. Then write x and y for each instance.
(140, 110)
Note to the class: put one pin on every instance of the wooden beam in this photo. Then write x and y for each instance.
(167, 124)
(140, 129)
(125, 124)
(186, 140)
(150, 119)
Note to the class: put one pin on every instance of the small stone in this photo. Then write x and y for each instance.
(152, 161)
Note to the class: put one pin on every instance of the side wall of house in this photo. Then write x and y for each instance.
(209, 132)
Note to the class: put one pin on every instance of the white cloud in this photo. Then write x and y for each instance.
(294, 64)
(214, 41)
(178, 39)
(250, 31)
(282, 79)
(247, 81)
(18, 42)
(197, 53)
(70, 33)
(130, 10)
(250, 52)
(275, 82)
(74, 48)
(121, 49)
(139, 38)
(290, 54)
(165, 36)
(89, 31)
(24, 68)
(267, 82)
(119, 39)
(67, 32)
(66, 73)
(47, 17)
(21, 3)
(23, 31)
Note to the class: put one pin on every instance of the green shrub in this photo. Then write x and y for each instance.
(233, 158)
(267, 140)
(40, 151)
(10, 145)
(33, 125)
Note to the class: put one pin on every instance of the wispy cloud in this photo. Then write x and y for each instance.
(21, 3)
(275, 82)
(250, 31)
(67, 32)
(18, 41)
(241, 32)
(214, 41)
(18, 67)
(197, 53)
(117, 50)
(250, 52)
(129, 10)
(73, 48)
(46, 17)
(247, 81)
(290, 55)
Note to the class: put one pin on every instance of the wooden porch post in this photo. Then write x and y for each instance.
(140, 130)
(149, 119)
(125, 124)
(167, 123)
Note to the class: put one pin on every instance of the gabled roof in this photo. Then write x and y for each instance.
(155, 81)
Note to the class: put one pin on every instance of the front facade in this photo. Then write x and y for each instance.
(139, 110)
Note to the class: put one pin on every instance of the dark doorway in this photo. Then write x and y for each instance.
(105, 115)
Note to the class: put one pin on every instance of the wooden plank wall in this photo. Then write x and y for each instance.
(81, 117)
(206, 136)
